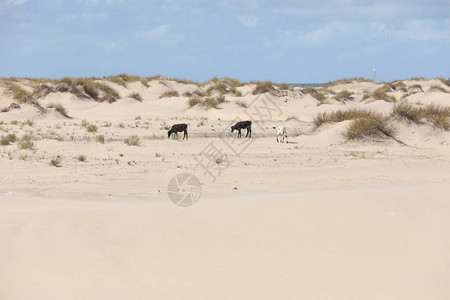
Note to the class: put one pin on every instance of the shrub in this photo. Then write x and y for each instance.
(370, 127)
(171, 93)
(135, 96)
(81, 157)
(6, 140)
(133, 141)
(91, 128)
(26, 142)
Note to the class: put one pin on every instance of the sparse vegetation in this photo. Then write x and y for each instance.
(25, 142)
(375, 127)
(345, 81)
(318, 95)
(342, 115)
(81, 158)
(135, 96)
(91, 128)
(56, 161)
(342, 96)
(133, 141)
(17, 92)
(264, 87)
(241, 103)
(380, 94)
(194, 100)
(8, 139)
(100, 139)
(59, 108)
(292, 118)
(171, 93)
(438, 116)
(437, 88)
(212, 102)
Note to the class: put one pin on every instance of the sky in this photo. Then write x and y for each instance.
(289, 41)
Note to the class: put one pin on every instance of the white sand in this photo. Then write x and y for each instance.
(318, 218)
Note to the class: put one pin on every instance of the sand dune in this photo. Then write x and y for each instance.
(320, 217)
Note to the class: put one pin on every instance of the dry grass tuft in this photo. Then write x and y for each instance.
(171, 93)
(59, 108)
(381, 94)
(135, 96)
(438, 116)
(194, 100)
(264, 87)
(374, 127)
(345, 81)
(133, 141)
(318, 95)
(342, 115)
(344, 95)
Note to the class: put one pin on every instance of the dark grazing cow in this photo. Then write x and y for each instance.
(178, 128)
(243, 125)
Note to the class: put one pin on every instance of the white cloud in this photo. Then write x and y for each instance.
(100, 1)
(320, 35)
(249, 21)
(15, 2)
(157, 32)
(418, 30)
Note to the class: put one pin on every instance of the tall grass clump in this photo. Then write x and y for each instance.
(135, 96)
(133, 141)
(380, 94)
(375, 127)
(194, 100)
(25, 142)
(91, 128)
(17, 92)
(318, 95)
(344, 95)
(264, 87)
(8, 139)
(171, 93)
(342, 115)
(438, 116)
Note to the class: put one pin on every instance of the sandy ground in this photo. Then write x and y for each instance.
(317, 218)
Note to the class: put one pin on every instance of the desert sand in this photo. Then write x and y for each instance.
(84, 215)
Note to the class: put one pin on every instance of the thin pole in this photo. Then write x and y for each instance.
(374, 74)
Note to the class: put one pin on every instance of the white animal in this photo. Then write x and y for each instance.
(281, 132)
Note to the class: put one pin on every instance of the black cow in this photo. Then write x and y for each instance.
(178, 128)
(243, 125)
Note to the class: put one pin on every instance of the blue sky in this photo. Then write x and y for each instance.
(283, 41)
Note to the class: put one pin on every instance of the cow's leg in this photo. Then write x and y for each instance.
(186, 134)
(239, 133)
(249, 132)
